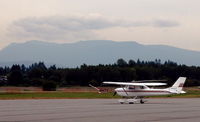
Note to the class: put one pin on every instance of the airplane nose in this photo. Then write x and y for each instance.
(115, 92)
(117, 89)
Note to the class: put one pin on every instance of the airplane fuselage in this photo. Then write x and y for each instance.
(126, 92)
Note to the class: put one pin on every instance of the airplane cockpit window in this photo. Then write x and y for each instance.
(131, 87)
(141, 87)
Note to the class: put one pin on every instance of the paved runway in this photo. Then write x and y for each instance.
(99, 110)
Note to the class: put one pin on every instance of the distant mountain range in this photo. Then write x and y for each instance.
(92, 52)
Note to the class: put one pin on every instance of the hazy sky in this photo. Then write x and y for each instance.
(170, 22)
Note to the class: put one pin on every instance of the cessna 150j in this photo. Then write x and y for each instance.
(135, 91)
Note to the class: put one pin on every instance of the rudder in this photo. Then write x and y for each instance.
(178, 85)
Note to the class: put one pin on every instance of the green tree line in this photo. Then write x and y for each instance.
(37, 74)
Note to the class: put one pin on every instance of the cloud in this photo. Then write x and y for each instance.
(72, 23)
(165, 23)
(74, 27)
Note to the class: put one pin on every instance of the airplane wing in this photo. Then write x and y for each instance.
(140, 81)
(135, 84)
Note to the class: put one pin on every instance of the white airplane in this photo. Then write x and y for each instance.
(134, 92)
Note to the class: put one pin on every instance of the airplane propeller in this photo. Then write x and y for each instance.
(114, 93)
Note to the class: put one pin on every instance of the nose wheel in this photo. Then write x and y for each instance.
(141, 101)
(131, 102)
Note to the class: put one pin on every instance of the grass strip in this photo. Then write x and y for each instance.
(84, 95)
(49, 95)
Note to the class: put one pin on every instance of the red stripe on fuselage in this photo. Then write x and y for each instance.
(140, 91)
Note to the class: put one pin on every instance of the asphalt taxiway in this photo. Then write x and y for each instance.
(100, 110)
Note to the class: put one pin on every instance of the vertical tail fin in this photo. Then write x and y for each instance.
(178, 85)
